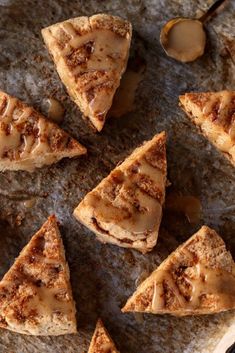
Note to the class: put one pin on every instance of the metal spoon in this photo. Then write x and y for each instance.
(183, 38)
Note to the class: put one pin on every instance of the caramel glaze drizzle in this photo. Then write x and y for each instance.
(101, 48)
(225, 101)
(100, 57)
(12, 138)
(106, 347)
(222, 115)
(141, 219)
(206, 282)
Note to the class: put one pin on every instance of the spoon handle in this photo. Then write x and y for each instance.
(231, 349)
(211, 10)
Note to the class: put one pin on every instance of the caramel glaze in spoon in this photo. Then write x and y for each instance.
(184, 39)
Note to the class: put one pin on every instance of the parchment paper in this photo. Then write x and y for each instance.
(104, 276)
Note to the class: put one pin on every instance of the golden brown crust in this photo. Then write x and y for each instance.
(90, 54)
(112, 23)
(156, 155)
(126, 207)
(35, 294)
(26, 136)
(101, 341)
(197, 278)
(221, 115)
(214, 114)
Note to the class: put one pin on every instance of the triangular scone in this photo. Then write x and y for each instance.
(197, 278)
(126, 207)
(28, 140)
(90, 54)
(35, 294)
(214, 114)
(101, 341)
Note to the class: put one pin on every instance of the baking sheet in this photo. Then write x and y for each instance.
(104, 276)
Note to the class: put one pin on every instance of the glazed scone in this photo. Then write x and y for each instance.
(101, 341)
(28, 140)
(214, 114)
(35, 294)
(90, 54)
(197, 278)
(126, 207)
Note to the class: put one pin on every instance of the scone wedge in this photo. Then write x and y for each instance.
(101, 341)
(197, 278)
(28, 140)
(214, 114)
(126, 207)
(35, 294)
(90, 54)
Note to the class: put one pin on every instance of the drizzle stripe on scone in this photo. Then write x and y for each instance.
(28, 140)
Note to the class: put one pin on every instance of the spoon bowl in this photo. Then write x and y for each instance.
(184, 39)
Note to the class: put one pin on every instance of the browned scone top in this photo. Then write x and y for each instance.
(126, 207)
(28, 140)
(101, 341)
(197, 278)
(90, 54)
(214, 114)
(35, 294)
